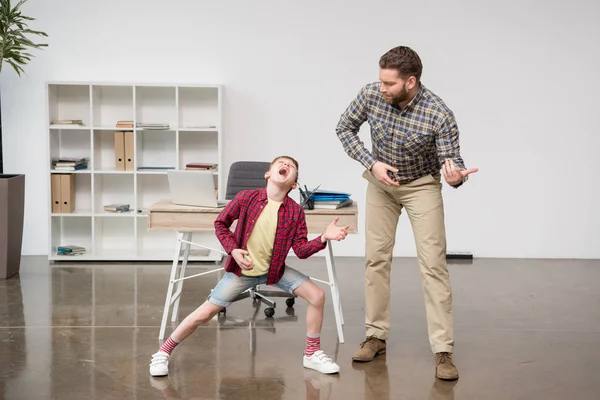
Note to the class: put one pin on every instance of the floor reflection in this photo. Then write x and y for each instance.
(88, 332)
(13, 342)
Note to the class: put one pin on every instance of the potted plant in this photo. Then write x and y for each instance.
(14, 51)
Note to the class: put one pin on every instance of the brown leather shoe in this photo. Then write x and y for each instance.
(369, 349)
(444, 367)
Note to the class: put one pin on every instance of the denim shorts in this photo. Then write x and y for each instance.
(231, 285)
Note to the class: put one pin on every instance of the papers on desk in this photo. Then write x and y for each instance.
(330, 200)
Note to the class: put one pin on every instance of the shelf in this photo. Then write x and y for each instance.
(154, 241)
(112, 128)
(156, 149)
(198, 107)
(104, 159)
(156, 104)
(81, 171)
(151, 189)
(69, 102)
(198, 130)
(112, 171)
(131, 255)
(71, 231)
(152, 171)
(73, 214)
(112, 189)
(83, 193)
(68, 128)
(114, 234)
(112, 104)
(194, 148)
(112, 214)
(70, 143)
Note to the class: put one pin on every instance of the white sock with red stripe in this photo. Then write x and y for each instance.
(169, 345)
(313, 344)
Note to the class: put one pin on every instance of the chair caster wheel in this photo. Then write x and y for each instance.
(290, 302)
(269, 312)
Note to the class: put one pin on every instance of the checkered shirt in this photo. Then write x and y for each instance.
(416, 140)
(291, 232)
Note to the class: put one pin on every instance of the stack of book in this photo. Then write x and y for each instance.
(70, 250)
(67, 123)
(124, 124)
(153, 126)
(69, 164)
(117, 208)
(201, 166)
(328, 199)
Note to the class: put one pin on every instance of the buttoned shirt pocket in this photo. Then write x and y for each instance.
(378, 130)
(417, 143)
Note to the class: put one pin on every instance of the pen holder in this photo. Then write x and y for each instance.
(307, 200)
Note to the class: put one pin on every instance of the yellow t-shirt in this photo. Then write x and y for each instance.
(260, 242)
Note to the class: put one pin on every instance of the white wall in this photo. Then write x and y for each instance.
(521, 76)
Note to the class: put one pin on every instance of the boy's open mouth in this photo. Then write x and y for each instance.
(283, 171)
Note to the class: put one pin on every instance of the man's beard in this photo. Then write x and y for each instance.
(399, 98)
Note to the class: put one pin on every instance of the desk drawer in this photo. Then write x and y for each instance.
(317, 223)
(179, 221)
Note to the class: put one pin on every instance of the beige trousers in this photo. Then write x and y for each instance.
(422, 200)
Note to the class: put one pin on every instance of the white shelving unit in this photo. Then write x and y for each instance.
(194, 115)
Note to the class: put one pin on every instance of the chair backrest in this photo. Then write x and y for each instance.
(245, 175)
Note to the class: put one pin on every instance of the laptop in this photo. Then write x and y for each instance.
(193, 188)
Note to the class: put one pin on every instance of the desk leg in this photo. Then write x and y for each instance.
(174, 267)
(186, 254)
(335, 293)
(329, 255)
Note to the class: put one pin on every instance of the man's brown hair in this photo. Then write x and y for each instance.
(403, 59)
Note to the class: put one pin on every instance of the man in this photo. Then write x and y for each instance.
(414, 135)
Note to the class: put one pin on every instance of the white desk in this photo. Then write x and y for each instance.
(185, 220)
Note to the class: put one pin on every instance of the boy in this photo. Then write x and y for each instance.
(269, 224)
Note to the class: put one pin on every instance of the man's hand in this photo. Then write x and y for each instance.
(333, 232)
(242, 258)
(453, 175)
(380, 171)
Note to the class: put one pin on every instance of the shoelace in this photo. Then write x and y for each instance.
(369, 339)
(444, 357)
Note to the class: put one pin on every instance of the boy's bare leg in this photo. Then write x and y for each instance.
(315, 296)
(226, 291)
(198, 317)
(314, 357)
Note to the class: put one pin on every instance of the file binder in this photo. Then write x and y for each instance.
(119, 151)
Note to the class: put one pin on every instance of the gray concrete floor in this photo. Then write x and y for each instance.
(525, 329)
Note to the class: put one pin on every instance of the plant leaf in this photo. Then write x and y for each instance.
(16, 67)
(15, 45)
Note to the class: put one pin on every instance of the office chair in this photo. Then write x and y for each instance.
(247, 175)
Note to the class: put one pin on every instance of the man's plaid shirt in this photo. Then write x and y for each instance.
(291, 231)
(416, 140)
